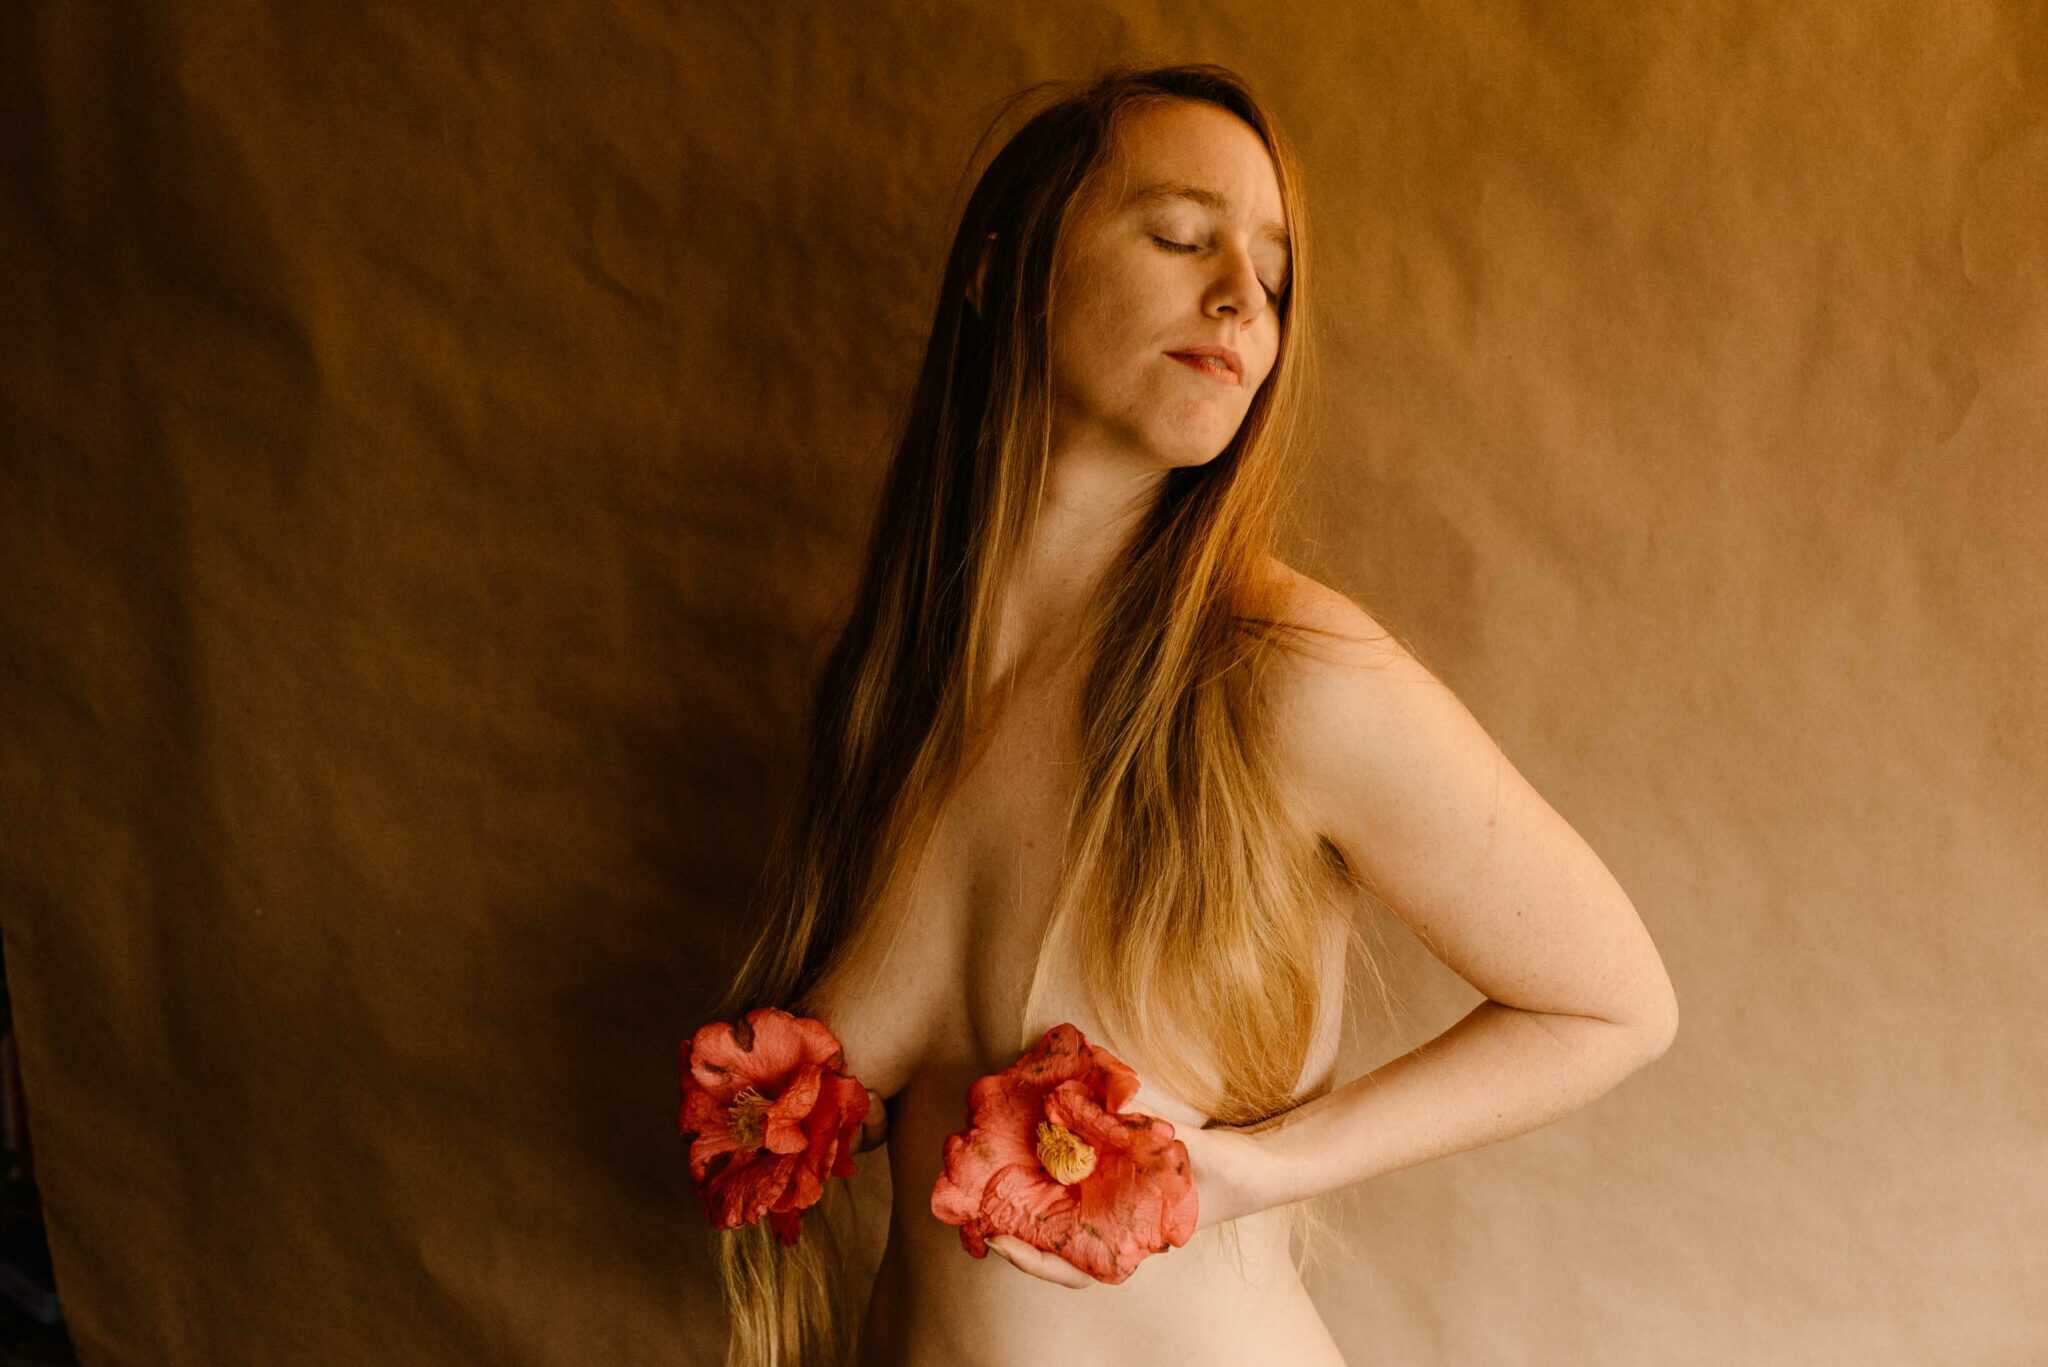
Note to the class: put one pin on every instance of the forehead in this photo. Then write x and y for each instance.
(1190, 151)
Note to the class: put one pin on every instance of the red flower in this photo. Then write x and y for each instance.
(1049, 1160)
(774, 1113)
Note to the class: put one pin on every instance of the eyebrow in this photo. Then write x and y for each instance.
(1208, 199)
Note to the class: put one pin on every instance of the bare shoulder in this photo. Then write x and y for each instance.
(1403, 779)
(1310, 602)
(1344, 698)
(1358, 715)
(1340, 648)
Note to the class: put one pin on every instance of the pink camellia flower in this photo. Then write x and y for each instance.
(774, 1113)
(1048, 1159)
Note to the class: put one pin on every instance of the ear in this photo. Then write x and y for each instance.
(976, 285)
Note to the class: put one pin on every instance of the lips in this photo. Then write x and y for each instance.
(1215, 367)
(1217, 352)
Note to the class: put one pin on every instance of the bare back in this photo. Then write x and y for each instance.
(934, 997)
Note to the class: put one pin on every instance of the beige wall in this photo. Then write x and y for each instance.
(435, 452)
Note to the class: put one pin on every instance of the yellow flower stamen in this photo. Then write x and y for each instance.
(749, 1117)
(1063, 1153)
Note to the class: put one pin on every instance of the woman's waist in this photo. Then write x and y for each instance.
(1231, 1294)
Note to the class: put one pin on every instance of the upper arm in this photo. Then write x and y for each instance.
(1451, 837)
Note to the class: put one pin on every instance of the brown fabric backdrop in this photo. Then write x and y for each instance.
(436, 447)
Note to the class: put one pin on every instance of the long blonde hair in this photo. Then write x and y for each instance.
(1200, 903)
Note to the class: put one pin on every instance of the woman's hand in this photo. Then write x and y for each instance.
(1222, 1162)
(1039, 1263)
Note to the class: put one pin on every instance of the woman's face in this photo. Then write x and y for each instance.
(1147, 271)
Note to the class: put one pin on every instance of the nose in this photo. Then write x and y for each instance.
(1240, 291)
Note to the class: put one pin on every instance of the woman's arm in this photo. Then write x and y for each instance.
(1499, 1072)
(1401, 777)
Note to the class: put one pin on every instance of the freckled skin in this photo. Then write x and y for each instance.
(936, 1002)
(1124, 300)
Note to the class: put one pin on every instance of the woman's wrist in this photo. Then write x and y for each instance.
(1234, 1175)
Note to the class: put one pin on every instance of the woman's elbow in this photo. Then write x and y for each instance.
(1660, 1027)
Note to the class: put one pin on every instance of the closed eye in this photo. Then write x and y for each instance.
(1181, 247)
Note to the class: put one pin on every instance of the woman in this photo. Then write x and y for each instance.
(1086, 752)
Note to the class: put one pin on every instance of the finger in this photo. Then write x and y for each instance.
(1059, 1271)
(875, 1129)
(1050, 1267)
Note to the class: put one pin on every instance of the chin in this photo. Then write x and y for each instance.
(1182, 460)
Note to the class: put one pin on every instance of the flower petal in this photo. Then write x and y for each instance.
(702, 1113)
(1113, 1080)
(818, 1044)
(1138, 1200)
(707, 1146)
(1107, 1241)
(744, 1191)
(784, 1130)
(805, 1187)
(1002, 1104)
(1023, 1200)
(850, 1104)
(764, 1055)
(1071, 1105)
(813, 1114)
(717, 1063)
(971, 1157)
(1061, 1053)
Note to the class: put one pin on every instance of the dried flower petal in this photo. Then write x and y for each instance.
(1049, 1158)
(773, 1114)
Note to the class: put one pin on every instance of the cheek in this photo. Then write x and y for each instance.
(1090, 339)
(1114, 302)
